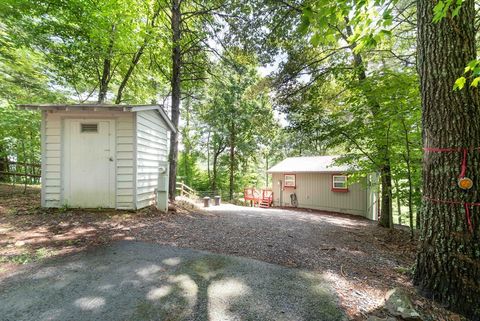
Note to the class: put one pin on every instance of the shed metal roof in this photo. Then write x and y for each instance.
(102, 107)
(309, 164)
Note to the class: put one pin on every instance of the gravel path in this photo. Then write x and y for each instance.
(361, 259)
(139, 281)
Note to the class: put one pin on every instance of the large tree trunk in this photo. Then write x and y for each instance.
(448, 262)
(176, 94)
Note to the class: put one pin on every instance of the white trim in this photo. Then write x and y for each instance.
(160, 110)
(43, 144)
(102, 108)
(135, 157)
(287, 182)
(344, 181)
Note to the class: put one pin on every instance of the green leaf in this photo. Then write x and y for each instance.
(438, 11)
(475, 82)
(316, 39)
(459, 83)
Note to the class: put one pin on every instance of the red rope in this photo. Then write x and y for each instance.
(442, 150)
(464, 163)
(469, 220)
(466, 205)
(463, 172)
(447, 150)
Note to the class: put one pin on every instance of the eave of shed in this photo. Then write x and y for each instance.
(102, 107)
(310, 164)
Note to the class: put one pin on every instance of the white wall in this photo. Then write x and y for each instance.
(314, 191)
(151, 147)
(52, 131)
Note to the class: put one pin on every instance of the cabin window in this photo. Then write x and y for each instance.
(290, 180)
(339, 183)
(89, 128)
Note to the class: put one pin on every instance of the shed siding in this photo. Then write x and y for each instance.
(52, 155)
(125, 179)
(151, 148)
(314, 191)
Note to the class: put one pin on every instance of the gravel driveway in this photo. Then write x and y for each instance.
(361, 259)
(140, 281)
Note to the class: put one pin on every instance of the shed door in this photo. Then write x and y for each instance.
(89, 164)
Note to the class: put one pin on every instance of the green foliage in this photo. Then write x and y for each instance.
(19, 139)
(88, 47)
(446, 8)
(235, 118)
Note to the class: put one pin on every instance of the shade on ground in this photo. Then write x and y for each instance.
(141, 281)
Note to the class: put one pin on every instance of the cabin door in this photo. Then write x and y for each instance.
(88, 163)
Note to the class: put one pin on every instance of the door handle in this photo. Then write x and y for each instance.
(110, 159)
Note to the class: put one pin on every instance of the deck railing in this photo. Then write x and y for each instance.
(187, 191)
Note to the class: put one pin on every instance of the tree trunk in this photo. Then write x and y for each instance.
(418, 217)
(399, 203)
(214, 178)
(3, 164)
(386, 219)
(176, 94)
(218, 150)
(232, 161)
(386, 203)
(106, 72)
(448, 261)
(102, 92)
(128, 74)
(266, 170)
(408, 161)
(136, 57)
(209, 174)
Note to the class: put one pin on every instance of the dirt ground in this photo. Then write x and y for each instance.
(363, 260)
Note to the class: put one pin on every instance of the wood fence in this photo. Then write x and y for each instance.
(184, 190)
(20, 172)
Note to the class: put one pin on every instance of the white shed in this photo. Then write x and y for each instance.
(107, 156)
(317, 183)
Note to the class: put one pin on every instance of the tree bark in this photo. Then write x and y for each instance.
(385, 219)
(135, 59)
(218, 150)
(107, 70)
(3, 164)
(418, 210)
(176, 94)
(399, 203)
(408, 161)
(448, 261)
(232, 161)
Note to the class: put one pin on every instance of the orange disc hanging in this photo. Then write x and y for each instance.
(465, 183)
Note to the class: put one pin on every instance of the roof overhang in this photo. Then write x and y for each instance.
(102, 108)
